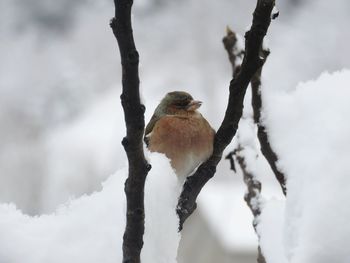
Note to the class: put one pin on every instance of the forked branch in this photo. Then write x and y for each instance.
(238, 86)
(253, 193)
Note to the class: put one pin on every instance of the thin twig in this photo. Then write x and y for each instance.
(263, 137)
(135, 123)
(253, 194)
(234, 51)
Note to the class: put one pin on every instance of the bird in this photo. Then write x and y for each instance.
(179, 131)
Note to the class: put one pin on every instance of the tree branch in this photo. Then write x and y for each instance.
(238, 86)
(265, 145)
(234, 52)
(253, 194)
(135, 123)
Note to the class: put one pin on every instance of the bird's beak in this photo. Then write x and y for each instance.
(193, 105)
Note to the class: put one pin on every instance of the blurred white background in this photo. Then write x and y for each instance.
(61, 122)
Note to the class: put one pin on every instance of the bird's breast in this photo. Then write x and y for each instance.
(186, 141)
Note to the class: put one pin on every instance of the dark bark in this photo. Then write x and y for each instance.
(238, 86)
(261, 258)
(263, 137)
(135, 123)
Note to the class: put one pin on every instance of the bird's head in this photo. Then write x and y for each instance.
(178, 101)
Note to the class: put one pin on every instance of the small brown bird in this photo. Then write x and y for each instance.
(179, 131)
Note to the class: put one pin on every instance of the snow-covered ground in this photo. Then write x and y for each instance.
(90, 228)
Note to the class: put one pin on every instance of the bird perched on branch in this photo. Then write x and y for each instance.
(179, 131)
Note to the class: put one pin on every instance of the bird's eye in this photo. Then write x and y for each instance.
(181, 103)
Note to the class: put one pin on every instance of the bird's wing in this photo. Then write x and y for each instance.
(151, 124)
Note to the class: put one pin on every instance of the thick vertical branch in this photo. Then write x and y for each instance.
(135, 123)
(238, 86)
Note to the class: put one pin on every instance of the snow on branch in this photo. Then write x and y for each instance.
(135, 123)
(238, 86)
(263, 137)
(234, 51)
(253, 194)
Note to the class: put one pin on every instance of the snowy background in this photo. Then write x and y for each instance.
(61, 124)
